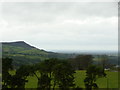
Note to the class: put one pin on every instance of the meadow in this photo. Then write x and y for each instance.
(110, 81)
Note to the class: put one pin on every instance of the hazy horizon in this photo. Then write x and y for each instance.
(111, 52)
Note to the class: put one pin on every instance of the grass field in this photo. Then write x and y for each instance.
(111, 78)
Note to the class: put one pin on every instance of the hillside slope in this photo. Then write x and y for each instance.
(23, 53)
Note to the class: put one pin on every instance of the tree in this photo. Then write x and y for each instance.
(52, 72)
(81, 62)
(14, 81)
(63, 75)
(19, 79)
(93, 72)
(44, 82)
(104, 61)
(6, 77)
(45, 69)
(17, 82)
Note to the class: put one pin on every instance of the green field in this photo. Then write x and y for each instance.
(111, 78)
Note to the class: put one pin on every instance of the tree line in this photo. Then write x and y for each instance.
(52, 73)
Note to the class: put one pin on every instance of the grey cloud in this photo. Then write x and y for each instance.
(52, 25)
(48, 12)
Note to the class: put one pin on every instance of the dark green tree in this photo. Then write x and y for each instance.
(52, 72)
(20, 78)
(104, 61)
(43, 79)
(81, 62)
(44, 82)
(49, 73)
(92, 74)
(63, 75)
(6, 77)
(17, 80)
(45, 70)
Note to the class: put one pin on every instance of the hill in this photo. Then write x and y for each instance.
(23, 53)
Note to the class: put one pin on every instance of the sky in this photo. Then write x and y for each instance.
(61, 25)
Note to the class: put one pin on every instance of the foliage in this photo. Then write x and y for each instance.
(64, 75)
(19, 79)
(56, 71)
(14, 81)
(81, 62)
(6, 66)
(79, 76)
(50, 73)
(93, 72)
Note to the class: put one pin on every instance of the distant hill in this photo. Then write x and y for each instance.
(18, 44)
(23, 53)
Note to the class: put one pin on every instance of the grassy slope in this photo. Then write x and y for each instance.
(79, 80)
(22, 55)
(22, 51)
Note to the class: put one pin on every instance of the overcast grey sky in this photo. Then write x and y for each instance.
(61, 25)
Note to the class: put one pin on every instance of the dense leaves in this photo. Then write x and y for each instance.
(51, 73)
(93, 72)
(14, 81)
(81, 62)
(54, 72)
(63, 74)
(6, 66)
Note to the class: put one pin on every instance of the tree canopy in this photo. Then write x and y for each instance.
(93, 72)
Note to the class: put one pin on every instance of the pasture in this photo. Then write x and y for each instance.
(110, 81)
